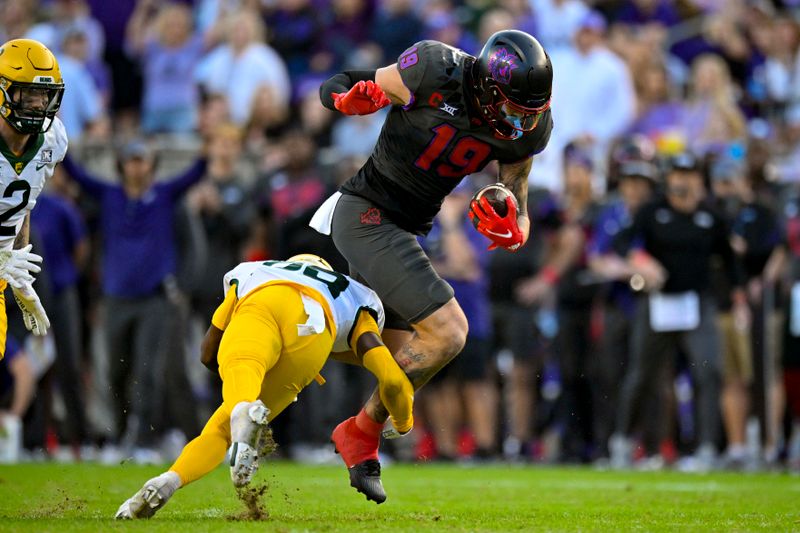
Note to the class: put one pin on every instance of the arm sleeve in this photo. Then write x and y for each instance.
(179, 184)
(88, 183)
(395, 389)
(341, 83)
(222, 316)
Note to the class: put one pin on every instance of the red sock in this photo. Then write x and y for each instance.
(368, 425)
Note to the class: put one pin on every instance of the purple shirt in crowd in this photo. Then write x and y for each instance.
(138, 240)
(61, 228)
(169, 75)
(113, 16)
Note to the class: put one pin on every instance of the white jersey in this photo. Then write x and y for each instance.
(22, 178)
(345, 296)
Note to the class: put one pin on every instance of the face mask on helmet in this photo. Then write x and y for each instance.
(511, 120)
(30, 107)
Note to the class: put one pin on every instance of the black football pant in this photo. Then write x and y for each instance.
(138, 336)
(66, 316)
(651, 351)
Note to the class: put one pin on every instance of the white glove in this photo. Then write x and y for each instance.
(16, 266)
(33, 314)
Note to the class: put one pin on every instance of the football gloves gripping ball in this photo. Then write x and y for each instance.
(503, 231)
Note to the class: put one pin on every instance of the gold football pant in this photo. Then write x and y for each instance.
(262, 357)
(3, 318)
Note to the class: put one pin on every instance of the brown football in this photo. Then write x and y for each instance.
(496, 193)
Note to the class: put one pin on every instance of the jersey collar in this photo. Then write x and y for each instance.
(18, 163)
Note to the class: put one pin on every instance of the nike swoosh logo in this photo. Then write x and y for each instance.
(505, 235)
(40, 167)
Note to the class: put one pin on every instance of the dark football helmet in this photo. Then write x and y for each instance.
(512, 82)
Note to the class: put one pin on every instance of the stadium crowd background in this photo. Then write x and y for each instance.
(130, 286)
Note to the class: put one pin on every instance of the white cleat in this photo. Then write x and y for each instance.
(248, 421)
(150, 498)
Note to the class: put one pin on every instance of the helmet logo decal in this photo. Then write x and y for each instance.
(501, 64)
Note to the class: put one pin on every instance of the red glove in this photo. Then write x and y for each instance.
(502, 231)
(363, 98)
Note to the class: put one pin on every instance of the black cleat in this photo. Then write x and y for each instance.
(366, 478)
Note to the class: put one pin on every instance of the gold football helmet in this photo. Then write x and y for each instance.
(31, 86)
(313, 259)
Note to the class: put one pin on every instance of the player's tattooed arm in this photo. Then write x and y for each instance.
(23, 236)
(515, 177)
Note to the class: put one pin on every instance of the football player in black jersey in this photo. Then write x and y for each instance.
(451, 115)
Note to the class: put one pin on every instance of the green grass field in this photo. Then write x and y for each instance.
(49, 497)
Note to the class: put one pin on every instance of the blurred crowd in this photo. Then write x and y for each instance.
(197, 140)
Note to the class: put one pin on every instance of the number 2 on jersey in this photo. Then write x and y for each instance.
(15, 186)
(466, 157)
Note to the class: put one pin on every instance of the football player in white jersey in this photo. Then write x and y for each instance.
(32, 142)
(270, 337)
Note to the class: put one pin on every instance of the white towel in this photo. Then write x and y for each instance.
(316, 317)
(321, 221)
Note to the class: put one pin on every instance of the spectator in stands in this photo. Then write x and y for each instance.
(68, 16)
(163, 40)
(346, 25)
(223, 204)
(244, 64)
(139, 265)
(780, 71)
(791, 330)
(644, 12)
(315, 119)
(294, 27)
(459, 255)
(754, 238)
(676, 237)
(636, 176)
(523, 286)
(493, 21)
(125, 78)
(213, 112)
(357, 136)
(659, 114)
(444, 26)
(522, 15)
(396, 25)
(65, 250)
(575, 300)
(82, 108)
(563, 19)
(711, 118)
(296, 185)
(593, 97)
(16, 18)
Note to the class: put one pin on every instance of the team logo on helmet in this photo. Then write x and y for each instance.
(501, 64)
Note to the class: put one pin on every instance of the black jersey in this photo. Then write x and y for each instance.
(427, 146)
(684, 244)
